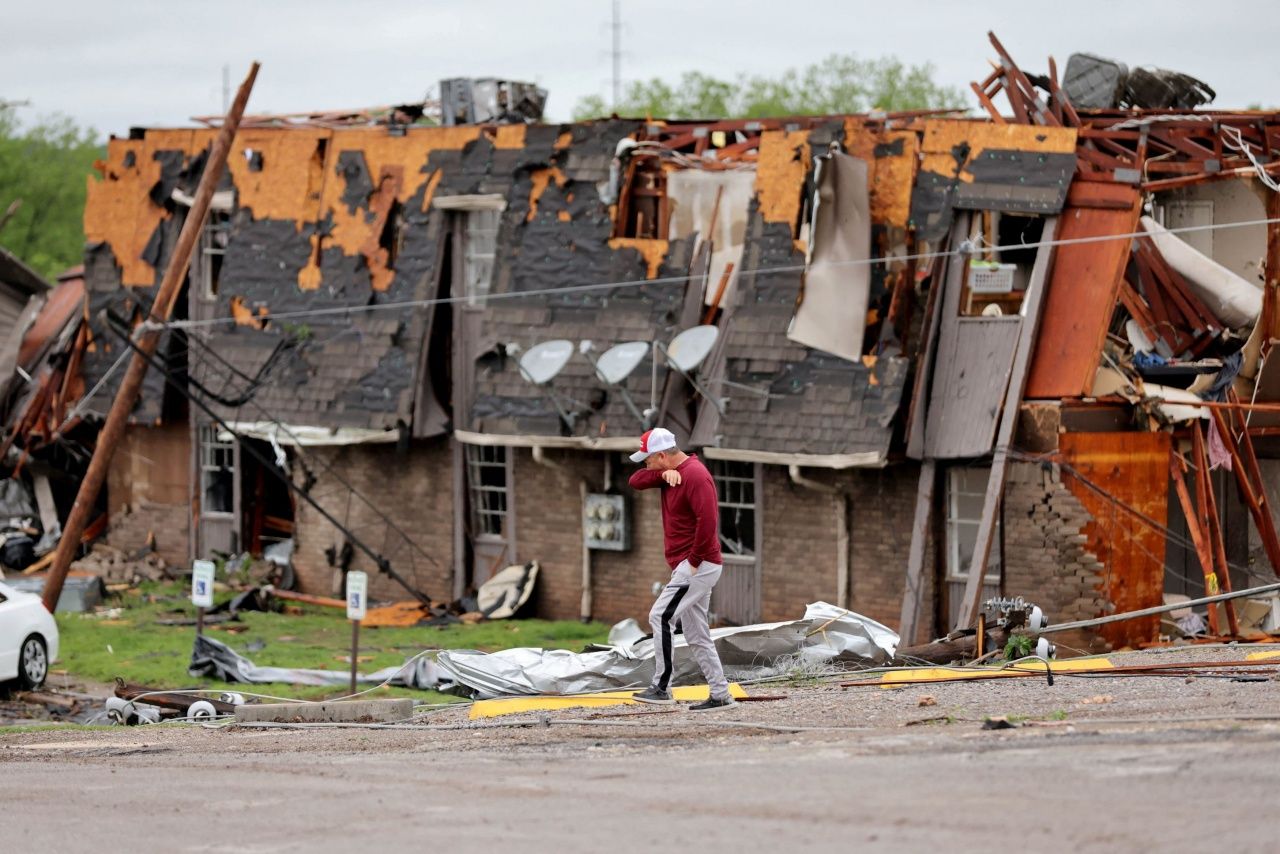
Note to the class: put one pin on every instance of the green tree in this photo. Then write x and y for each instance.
(43, 168)
(837, 84)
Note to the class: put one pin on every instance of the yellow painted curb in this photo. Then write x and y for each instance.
(1259, 656)
(896, 678)
(514, 705)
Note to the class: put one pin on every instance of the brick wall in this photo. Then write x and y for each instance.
(414, 488)
(798, 553)
(800, 550)
(549, 530)
(1045, 557)
(148, 490)
(169, 523)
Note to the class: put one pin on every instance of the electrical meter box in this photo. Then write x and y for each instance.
(606, 523)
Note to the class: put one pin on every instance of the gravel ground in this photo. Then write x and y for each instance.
(1092, 764)
(824, 706)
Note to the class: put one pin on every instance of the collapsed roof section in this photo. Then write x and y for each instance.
(345, 274)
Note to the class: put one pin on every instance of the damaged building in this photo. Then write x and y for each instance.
(931, 359)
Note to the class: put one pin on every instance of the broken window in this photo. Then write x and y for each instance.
(996, 280)
(966, 493)
(642, 205)
(214, 238)
(479, 241)
(736, 491)
(487, 478)
(217, 471)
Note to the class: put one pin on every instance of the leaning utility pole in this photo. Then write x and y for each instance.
(148, 340)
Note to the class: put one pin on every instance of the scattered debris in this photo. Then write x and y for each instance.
(114, 566)
(216, 660)
(825, 634)
(927, 700)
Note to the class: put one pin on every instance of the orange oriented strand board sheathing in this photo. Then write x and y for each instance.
(943, 137)
(509, 136)
(784, 161)
(118, 209)
(541, 178)
(381, 150)
(653, 251)
(1134, 468)
(287, 187)
(890, 177)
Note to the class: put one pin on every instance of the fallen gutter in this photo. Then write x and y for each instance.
(840, 501)
(539, 457)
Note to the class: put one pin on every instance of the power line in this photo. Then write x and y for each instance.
(382, 563)
(964, 249)
(329, 469)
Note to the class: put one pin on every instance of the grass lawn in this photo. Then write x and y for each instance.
(136, 648)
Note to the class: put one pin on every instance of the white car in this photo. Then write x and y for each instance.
(28, 638)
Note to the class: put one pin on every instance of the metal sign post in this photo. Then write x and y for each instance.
(357, 604)
(202, 572)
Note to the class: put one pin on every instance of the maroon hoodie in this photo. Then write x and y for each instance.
(690, 513)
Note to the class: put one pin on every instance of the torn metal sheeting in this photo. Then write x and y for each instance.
(295, 435)
(826, 634)
(216, 660)
(79, 592)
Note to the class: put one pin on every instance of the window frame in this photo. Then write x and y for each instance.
(480, 495)
(956, 570)
(728, 476)
(215, 457)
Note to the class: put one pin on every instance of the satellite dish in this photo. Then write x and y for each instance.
(618, 362)
(690, 348)
(542, 362)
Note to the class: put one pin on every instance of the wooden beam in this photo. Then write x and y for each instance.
(1208, 504)
(1271, 273)
(913, 594)
(1008, 421)
(131, 384)
(1178, 471)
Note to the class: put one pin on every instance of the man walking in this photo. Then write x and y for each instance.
(691, 535)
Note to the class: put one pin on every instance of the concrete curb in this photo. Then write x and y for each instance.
(350, 711)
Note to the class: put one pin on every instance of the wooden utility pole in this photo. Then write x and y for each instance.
(148, 340)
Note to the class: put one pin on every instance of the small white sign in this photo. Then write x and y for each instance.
(357, 594)
(202, 583)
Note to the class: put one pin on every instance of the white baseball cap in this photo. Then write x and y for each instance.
(653, 441)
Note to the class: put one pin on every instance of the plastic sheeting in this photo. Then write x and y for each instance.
(218, 661)
(827, 634)
(691, 197)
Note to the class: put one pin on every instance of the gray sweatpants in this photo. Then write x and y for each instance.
(685, 601)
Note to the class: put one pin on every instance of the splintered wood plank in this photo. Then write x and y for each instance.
(1083, 289)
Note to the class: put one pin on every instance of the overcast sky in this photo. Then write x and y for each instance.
(149, 62)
